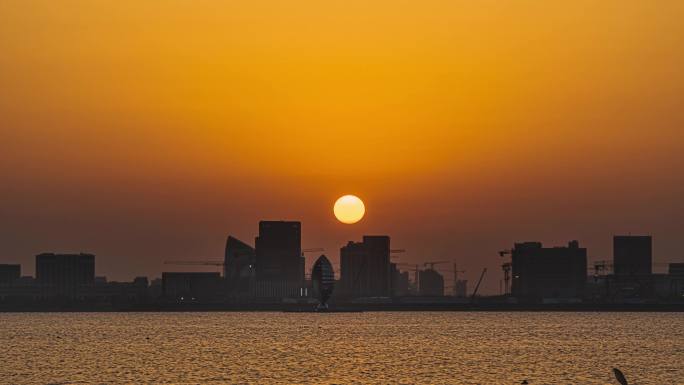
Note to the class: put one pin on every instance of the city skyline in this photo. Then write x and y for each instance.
(275, 264)
(141, 134)
(342, 191)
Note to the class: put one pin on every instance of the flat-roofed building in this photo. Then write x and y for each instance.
(191, 286)
(9, 273)
(548, 272)
(65, 275)
(365, 267)
(632, 255)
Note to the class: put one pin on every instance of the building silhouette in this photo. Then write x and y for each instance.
(430, 283)
(279, 261)
(238, 266)
(65, 275)
(461, 288)
(191, 286)
(632, 255)
(554, 272)
(365, 267)
(322, 280)
(9, 273)
(279, 251)
(400, 281)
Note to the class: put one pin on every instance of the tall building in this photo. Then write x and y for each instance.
(238, 266)
(632, 255)
(9, 273)
(279, 261)
(400, 281)
(555, 272)
(65, 275)
(365, 267)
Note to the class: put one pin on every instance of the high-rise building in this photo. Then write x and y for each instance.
(238, 266)
(65, 275)
(430, 283)
(365, 267)
(554, 272)
(278, 251)
(9, 273)
(632, 255)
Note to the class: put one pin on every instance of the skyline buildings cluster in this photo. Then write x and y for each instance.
(274, 270)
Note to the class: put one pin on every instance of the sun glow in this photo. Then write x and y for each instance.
(349, 209)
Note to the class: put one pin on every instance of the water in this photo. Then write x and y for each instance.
(402, 347)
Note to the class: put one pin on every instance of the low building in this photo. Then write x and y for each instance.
(400, 282)
(191, 287)
(69, 276)
(9, 273)
(430, 283)
(461, 288)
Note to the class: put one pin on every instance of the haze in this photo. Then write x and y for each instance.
(143, 131)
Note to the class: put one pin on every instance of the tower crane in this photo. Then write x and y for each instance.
(456, 271)
(506, 267)
(396, 251)
(312, 250)
(433, 263)
(203, 263)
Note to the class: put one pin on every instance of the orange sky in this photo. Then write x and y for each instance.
(149, 130)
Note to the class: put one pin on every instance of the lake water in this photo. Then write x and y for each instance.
(382, 347)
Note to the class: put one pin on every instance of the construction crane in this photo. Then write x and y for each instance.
(396, 251)
(456, 271)
(506, 267)
(433, 263)
(312, 250)
(479, 281)
(204, 263)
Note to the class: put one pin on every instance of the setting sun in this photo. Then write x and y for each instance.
(349, 209)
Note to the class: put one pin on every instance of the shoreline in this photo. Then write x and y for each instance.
(343, 308)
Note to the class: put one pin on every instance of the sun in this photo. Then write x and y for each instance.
(349, 209)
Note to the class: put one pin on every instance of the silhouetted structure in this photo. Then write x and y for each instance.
(461, 288)
(239, 266)
(279, 260)
(191, 287)
(430, 283)
(632, 255)
(400, 281)
(9, 273)
(556, 272)
(279, 251)
(365, 267)
(676, 269)
(65, 275)
(322, 280)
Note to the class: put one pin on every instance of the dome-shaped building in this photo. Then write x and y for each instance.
(322, 280)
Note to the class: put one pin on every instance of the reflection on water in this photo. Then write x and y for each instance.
(454, 348)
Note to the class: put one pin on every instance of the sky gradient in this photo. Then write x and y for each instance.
(143, 131)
